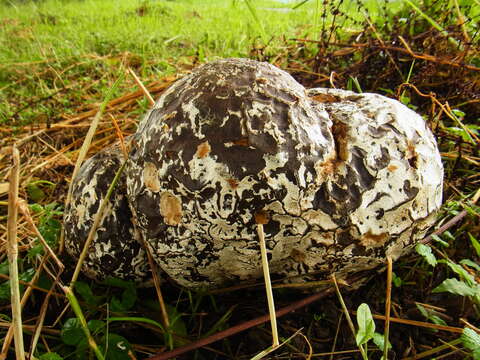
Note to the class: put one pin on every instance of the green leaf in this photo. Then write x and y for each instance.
(129, 295)
(455, 286)
(72, 332)
(439, 240)
(470, 339)
(430, 315)
(379, 340)
(50, 356)
(111, 281)
(27, 275)
(83, 350)
(426, 252)
(177, 325)
(4, 268)
(475, 243)
(35, 193)
(96, 326)
(5, 290)
(397, 280)
(36, 208)
(470, 263)
(36, 250)
(117, 348)
(84, 290)
(460, 271)
(366, 325)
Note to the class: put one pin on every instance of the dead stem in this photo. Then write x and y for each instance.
(388, 300)
(142, 87)
(13, 255)
(347, 315)
(268, 285)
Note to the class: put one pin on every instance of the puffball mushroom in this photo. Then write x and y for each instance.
(341, 179)
(115, 250)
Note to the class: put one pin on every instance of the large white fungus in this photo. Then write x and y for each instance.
(341, 179)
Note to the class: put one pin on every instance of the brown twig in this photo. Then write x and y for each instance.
(457, 218)
(242, 327)
(158, 289)
(423, 324)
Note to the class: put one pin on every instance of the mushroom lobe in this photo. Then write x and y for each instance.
(115, 250)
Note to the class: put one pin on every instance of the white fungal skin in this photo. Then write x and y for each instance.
(115, 250)
(345, 179)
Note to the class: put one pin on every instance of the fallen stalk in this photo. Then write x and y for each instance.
(13, 255)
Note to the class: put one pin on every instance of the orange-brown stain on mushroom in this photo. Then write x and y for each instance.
(262, 217)
(325, 98)
(374, 240)
(170, 209)
(340, 155)
(412, 155)
(297, 255)
(392, 167)
(340, 133)
(242, 142)
(203, 150)
(233, 183)
(150, 177)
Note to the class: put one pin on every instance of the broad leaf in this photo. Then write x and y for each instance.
(72, 332)
(366, 325)
(430, 315)
(471, 264)
(471, 340)
(379, 340)
(460, 271)
(455, 286)
(475, 243)
(426, 252)
(117, 347)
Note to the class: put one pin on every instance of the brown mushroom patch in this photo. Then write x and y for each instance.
(340, 133)
(392, 167)
(374, 240)
(325, 98)
(170, 209)
(150, 177)
(203, 150)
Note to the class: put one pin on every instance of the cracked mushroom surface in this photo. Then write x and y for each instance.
(115, 250)
(343, 179)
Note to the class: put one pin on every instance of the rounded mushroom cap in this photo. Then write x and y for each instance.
(115, 250)
(385, 184)
(344, 179)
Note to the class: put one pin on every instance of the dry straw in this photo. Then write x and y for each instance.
(13, 254)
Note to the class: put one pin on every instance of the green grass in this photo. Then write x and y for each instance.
(53, 44)
(159, 30)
